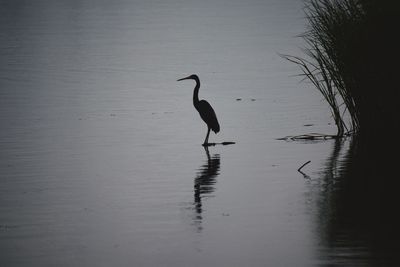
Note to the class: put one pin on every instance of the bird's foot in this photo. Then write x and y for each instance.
(208, 144)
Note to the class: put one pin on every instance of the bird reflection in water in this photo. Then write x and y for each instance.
(204, 184)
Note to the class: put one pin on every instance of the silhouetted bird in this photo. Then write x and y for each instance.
(205, 110)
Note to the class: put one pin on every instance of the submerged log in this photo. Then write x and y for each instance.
(223, 143)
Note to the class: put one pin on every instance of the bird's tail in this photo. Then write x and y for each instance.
(215, 128)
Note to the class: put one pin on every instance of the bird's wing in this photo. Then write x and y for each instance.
(208, 115)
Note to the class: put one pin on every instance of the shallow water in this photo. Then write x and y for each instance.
(101, 162)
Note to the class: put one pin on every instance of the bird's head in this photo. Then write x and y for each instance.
(191, 77)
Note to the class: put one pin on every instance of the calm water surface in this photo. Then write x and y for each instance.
(100, 155)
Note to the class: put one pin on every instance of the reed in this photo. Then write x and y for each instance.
(345, 40)
(331, 26)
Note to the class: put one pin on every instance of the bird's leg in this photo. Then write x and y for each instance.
(206, 140)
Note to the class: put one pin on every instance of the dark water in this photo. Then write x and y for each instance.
(356, 209)
(100, 156)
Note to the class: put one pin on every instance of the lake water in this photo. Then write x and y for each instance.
(101, 162)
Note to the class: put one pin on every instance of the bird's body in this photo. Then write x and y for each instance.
(207, 113)
(205, 110)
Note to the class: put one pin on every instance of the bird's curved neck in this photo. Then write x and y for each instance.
(196, 92)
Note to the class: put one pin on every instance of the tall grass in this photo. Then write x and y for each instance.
(344, 60)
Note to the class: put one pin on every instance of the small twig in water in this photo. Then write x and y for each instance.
(301, 167)
(299, 170)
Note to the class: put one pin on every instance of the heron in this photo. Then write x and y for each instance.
(205, 110)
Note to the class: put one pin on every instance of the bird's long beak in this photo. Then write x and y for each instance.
(183, 79)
